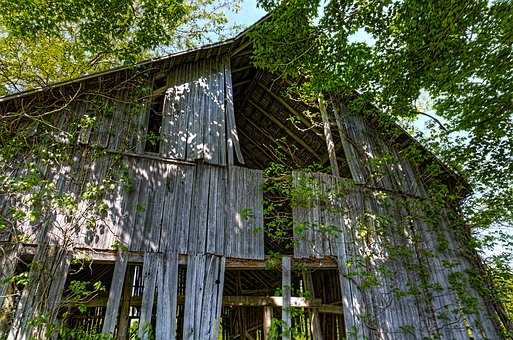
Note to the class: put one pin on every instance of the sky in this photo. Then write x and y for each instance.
(248, 14)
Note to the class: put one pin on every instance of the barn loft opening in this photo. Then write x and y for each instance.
(274, 129)
(155, 115)
(277, 135)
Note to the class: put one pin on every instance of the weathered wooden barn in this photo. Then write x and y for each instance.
(176, 175)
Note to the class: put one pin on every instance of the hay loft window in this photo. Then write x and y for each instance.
(155, 116)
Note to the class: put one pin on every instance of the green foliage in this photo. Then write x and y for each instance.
(502, 274)
(246, 214)
(297, 331)
(43, 42)
(19, 279)
(456, 53)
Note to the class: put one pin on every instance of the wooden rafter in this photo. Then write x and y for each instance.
(297, 114)
(287, 130)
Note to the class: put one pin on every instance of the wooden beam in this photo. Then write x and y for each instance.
(329, 138)
(286, 288)
(260, 146)
(110, 256)
(287, 130)
(268, 316)
(243, 68)
(244, 301)
(250, 89)
(284, 103)
(247, 81)
(241, 48)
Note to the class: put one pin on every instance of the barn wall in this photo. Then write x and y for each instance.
(398, 258)
(188, 198)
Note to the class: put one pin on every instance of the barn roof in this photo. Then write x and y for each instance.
(258, 87)
(201, 52)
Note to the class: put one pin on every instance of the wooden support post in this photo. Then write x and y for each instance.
(150, 271)
(124, 314)
(329, 138)
(315, 324)
(242, 321)
(112, 309)
(8, 262)
(268, 316)
(286, 291)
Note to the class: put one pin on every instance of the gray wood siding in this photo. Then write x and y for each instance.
(372, 230)
(8, 262)
(42, 294)
(313, 220)
(245, 222)
(198, 117)
(363, 144)
(161, 206)
(383, 237)
(195, 210)
(203, 297)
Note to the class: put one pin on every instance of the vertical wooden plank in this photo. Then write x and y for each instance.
(327, 134)
(315, 324)
(218, 305)
(42, 295)
(168, 235)
(193, 222)
(205, 135)
(204, 313)
(189, 114)
(221, 113)
(286, 286)
(193, 130)
(150, 271)
(203, 227)
(141, 207)
(151, 224)
(203, 297)
(268, 316)
(8, 263)
(200, 291)
(123, 324)
(113, 302)
(210, 112)
(220, 211)
(211, 223)
(167, 286)
(190, 298)
(119, 120)
(259, 213)
(231, 130)
(358, 172)
(170, 116)
(142, 116)
(185, 207)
